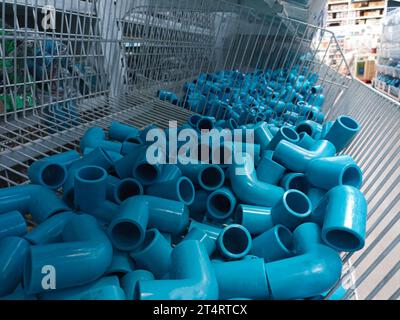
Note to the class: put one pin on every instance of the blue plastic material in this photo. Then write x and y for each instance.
(145, 172)
(269, 171)
(154, 254)
(248, 188)
(342, 214)
(293, 209)
(244, 278)
(274, 244)
(193, 120)
(114, 156)
(85, 256)
(124, 166)
(296, 158)
(120, 132)
(305, 141)
(50, 231)
(315, 269)
(221, 204)
(312, 128)
(30, 199)
(129, 282)
(262, 134)
(48, 173)
(12, 224)
(95, 137)
(121, 264)
(253, 218)
(123, 189)
(211, 230)
(180, 189)
(297, 181)
(127, 228)
(18, 294)
(284, 133)
(342, 132)
(234, 242)
(192, 276)
(199, 206)
(201, 236)
(327, 173)
(13, 252)
(65, 158)
(211, 177)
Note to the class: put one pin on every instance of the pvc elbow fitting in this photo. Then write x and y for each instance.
(310, 127)
(221, 204)
(249, 189)
(204, 238)
(234, 242)
(120, 132)
(120, 190)
(95, 137)
(284, 133)
(199, 206)
(130, 281)
(29, 199)
(342, 214)
(145, 172)
(205, 123)
(154, 254)
(327, 173)
(121, 264)
(253, 218)
(274, 244)
(13, 252)
(127, 228)
(85, 256)
(180, 189)
(192, 276)
(305, 141)
(211, 177)
(124, 166)
(296, 158)
(297, 181)
(48, 173)
(269, 171)
(342, 132)
(12, 224)
(262, 134)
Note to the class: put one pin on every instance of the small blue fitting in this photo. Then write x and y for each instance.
(212, 231)
(205, 123)
(129, 282)
(154, 254)
(13, 252)
(234, 242)
(121, 264)
(65, 158)
(201, 236)
(180, 189)
(297, 181)
(114, 156)
(85, 256)
(12, 224)
(145, 172)
(120, 190)
(310, 127)
(124, 166)
(194, 120)
(221, 204)
(269, 171)
(48, 173)
(327, 173)
(293, 209)
(255, 219)
(192, 276)
(262, 134)
(342, 214)
(119, 132)
(274, 244)
(199, 206)
(211, 177)
(325, 128)
(305, 141)
(284, 133)
(95, 137)
(342, 132)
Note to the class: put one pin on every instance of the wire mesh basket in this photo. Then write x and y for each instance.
(68, 65)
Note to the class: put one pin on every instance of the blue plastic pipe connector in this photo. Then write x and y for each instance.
(284, 133)
(273, 244)
(342, 132)
(205, 123)
(180, 189)
(154, 254)
(65, 158)
(342, 214)
(305, 141)
(211, 177)
(297, 181)
(253, 218)
(193, 120)
(95, 137)
(211, 230)
(310, 127)
(12, 224)
(327, 173)
(243, 278)
(50, 231)
(83, 257)
(129, 282)
(120, 190)
(121, 264)
(124, 166)
(234, 242)
(296, 158)
(127, 228)
(13, 252)
(221, 204)
(315, 268)
(119, 132)
(145, 172)
(114, 156)
(269, 171)
(201, 236)
(293, 209)
(191, 278)
(248, 188)
(199, 206)
(48, 173)
(262, 134)
(37, 200)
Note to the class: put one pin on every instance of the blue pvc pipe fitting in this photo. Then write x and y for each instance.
(234, 242)
(30, 199)
(127, 228)
(121, 264)
(342, 214)
(119, 132)
(293, 209)
(296, 158)
(65, 158)
(129, 282)
(211, 177)
(13, 252)
(297, 181)
(221, 204)
(48, 173)
(123, 189)
(342, 132)
(95, 137)
(206, 123)
(212, 231)
(310, 127)
(327, 173)
(145, 172)
(284, 133)
(199, 206)
(248, 188)
(262, 134)
(244, 278)
(269, 171)
(192, 276)
(201, 236)
(305, 141)
(124, 166)
(50, 231)
(180, 189)
(154, 254)
(193, 120)
(274, 244)
(253, 218)
(114, 156)
(12, 224)
(85, 256)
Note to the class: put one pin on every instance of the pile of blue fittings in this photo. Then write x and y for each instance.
(110, 224)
